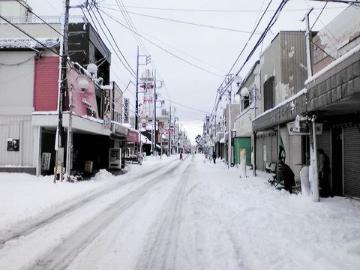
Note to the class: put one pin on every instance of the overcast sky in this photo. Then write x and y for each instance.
(191, 89)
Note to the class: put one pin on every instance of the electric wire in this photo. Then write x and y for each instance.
(185, 22)
(37, 16)
(242, 50)
(30, 36)
(272, 21)
(132, 73)
(317, 18)
(131, 24)
(161, 48)
(207, 10)
(112, 37)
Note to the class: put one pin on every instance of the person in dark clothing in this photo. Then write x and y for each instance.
(214, 157)
(284, 173)
(324, 172)
(181, 154)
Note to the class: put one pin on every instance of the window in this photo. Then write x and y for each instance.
(269, 93)
(245, 102)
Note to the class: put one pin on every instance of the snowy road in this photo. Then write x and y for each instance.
(187, 214)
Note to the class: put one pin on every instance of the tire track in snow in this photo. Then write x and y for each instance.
(62, 255)
(160, 251)
(29, 226)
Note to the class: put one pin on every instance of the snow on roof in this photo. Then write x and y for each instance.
(347, 55)
(22, 43)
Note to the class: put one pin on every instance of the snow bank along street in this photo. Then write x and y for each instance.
(172, 214)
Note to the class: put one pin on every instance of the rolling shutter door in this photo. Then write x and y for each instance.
(274, 148)
(268, 148)
(259, 154)
(324, 142)
(352, 161)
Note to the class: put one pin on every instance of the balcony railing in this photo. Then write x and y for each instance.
(35, 20)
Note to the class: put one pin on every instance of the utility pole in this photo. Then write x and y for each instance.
(169, 134)
(313, 143)
(308, 43)
(154, 129)
(229, 78)
(59, 163)
(137, 91)
(254, 132)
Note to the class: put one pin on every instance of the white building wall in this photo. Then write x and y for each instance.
(16, 82)
(16, 106)
(35, 29)
(16, 127)
(11, 8)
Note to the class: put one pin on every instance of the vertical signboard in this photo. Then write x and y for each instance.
(126, 110)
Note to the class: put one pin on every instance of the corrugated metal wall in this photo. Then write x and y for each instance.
(324, 141)
(293, 50)
(46, 84)
(352, 161)
(16, 127)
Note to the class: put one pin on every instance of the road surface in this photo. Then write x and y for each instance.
(188, 214)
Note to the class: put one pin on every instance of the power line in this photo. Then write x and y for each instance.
(30, 36)
(112, 37)
(244, 47)
(209, 10)
(185, 106)
(317, 18)
(110, 43)
(37, 16)
(161, 48)
(260, 40)
(186, 22)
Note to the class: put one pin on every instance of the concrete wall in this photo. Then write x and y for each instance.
(285, 59)
(270, 65)
(234, 112)
(336, 38)
(243, 121)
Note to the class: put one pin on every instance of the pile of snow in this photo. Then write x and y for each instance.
(102, 175)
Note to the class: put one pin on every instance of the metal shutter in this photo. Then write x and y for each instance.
(324, 142)
(274, 148)
(259, 154)
(352, 161)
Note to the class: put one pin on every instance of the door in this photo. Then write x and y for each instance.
(337, 161)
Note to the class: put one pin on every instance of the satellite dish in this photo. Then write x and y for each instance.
(92, 69)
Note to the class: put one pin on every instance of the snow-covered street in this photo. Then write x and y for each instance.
(172, 214)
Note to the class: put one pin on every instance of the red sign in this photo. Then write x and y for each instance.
(133, 136)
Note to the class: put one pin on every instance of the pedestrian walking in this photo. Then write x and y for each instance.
(286, 174)
(181, 154)
(214, 157)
